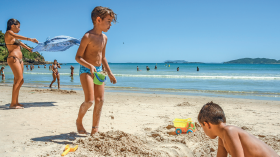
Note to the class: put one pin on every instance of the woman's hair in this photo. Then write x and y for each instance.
(102, 12)
(12, 22)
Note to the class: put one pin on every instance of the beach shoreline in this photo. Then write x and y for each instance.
(47, 123)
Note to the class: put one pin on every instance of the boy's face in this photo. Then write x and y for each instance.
(105, 24)
(208, 130)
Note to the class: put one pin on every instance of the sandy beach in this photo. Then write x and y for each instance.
(132, 124)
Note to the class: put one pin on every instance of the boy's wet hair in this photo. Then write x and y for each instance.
(102, 12)
(211, 113)
(12, 22)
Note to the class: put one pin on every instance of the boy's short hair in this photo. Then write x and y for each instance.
(102, 12)
(211, 113)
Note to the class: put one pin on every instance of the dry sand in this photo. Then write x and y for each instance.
(132, 124)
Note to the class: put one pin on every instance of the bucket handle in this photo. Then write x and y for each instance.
(99, 78)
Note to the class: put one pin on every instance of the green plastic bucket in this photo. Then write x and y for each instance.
(99, 78)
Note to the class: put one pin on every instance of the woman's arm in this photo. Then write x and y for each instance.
(26, 47)
(14, 35)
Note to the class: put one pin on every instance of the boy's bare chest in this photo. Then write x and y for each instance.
(97, 43)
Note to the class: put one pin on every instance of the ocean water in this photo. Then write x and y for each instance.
(258, 81)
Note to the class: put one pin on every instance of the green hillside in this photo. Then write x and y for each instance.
(253, 61)
(27, 56)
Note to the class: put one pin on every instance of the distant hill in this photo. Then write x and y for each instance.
(253, 61)
(175, 61)
(181, 61)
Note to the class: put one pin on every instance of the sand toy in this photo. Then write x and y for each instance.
(68, 149)
(99, 78)
(184, 125)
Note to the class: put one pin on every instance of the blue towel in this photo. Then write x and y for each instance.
(58, 43)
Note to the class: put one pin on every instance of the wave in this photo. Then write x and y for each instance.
(36, 73)
(203, 77)
(256, 93)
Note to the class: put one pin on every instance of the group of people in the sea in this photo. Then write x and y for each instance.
(232, 140)
(148, 69)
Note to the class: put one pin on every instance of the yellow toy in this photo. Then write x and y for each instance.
(68, 149)
(184, 125)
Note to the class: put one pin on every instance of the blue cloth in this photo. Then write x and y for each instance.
(58, 43)
(84, 69)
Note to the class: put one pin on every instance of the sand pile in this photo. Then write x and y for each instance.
(157, 142)
(117, 143)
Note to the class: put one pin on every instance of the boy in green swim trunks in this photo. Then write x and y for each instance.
(91, 56)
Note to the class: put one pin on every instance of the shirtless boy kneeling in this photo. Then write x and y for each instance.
(232, 140)
(91, 56)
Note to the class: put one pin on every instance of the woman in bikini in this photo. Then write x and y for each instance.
(55, 73)
(14, 59)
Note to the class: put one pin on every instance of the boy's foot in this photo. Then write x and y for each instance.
(80, 128)
(94, 130)
(16, 107)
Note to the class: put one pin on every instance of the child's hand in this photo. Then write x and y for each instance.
(112, 78)
(92, 70)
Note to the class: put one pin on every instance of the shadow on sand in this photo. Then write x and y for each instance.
(67, 138)
(29, 105)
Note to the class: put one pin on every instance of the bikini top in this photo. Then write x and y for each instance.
(55, 67)
(17, 42)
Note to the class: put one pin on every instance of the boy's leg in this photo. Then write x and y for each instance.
(87, 84)
(99, 99)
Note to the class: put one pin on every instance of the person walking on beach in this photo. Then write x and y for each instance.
(14, 58)
(2, 72)
(72, 71)
(94, 43)
(55, 73)
(197, 69)
(137, 68)
(177, 68)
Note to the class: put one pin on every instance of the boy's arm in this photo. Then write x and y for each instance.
(81, 50)
(233, 142)
(106, 65)
(222, 152)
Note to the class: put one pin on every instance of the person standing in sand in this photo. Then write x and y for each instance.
(90, 56)
(14, 58)
(55, 73)
(72, 71)
(2, 73)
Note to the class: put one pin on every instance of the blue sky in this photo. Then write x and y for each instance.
(155, 31)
